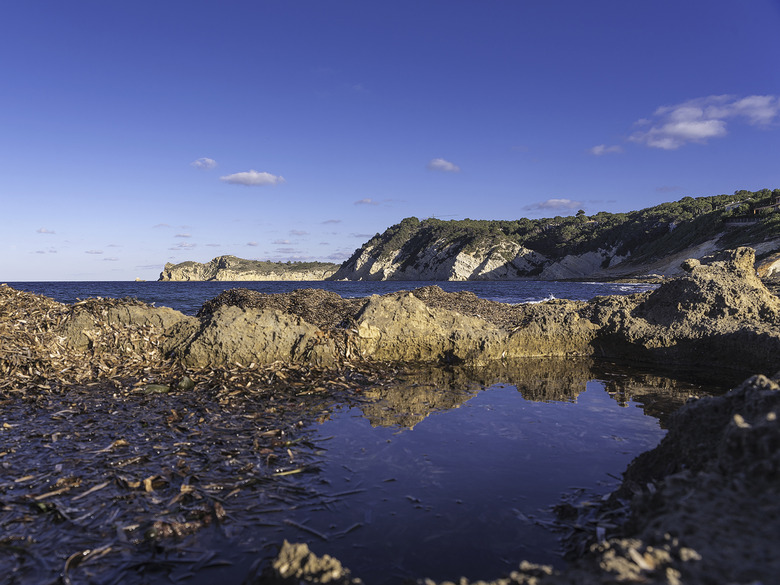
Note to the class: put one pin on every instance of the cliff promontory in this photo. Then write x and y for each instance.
(231, 268)
(605, 245)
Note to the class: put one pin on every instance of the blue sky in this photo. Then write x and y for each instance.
(135, 133)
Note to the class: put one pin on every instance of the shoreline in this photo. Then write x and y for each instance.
(718, 313)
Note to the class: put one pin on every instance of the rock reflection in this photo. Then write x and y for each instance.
(423, 390)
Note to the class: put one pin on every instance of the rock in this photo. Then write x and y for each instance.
(715, 477)
(719, 313)
(296, 564)
(400, 327)
(769, 267)
(231, 268)
(322, 308)
(504, 260)
(586, 265)
(115, 325)
(185, 383)
(690, 264)
(232, 335)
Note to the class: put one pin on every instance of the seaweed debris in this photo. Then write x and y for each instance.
(121, 470)
(118, 465)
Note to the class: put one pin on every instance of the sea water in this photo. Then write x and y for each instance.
(188, 297)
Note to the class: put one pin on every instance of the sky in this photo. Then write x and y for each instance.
(135, 133)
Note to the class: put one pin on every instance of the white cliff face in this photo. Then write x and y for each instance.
(504, 261)
(442, 261)
(365, 267)
(581, 266)
(230, 268)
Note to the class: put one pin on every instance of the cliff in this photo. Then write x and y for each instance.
(602, 246)
(231, 268)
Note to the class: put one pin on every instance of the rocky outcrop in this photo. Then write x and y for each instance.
(231, 268)
(48, 343)
(718, 313)
(235, 336)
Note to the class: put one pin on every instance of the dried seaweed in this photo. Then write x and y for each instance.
(114, 459)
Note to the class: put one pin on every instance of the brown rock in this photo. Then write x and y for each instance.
(400, 327)
(296, 564)
(720, 313)
(232, 335)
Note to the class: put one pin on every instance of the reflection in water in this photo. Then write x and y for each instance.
(422, 391)
(453, 471)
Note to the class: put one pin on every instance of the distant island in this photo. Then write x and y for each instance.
(607, 246)
(228, 268)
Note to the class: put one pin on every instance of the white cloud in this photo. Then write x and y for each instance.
(701, 119)
(338, 256)
(45, 231)
(110, 259)
(554, 205)
(183, 236)
(282, 242)
(251, 178)
(366, 201)
(604, 149)
(204, 163)
(290, 252)
(183, 246)
(439, 164)
(93, 252)
(252, 244)
(332, 221)
(298, 233)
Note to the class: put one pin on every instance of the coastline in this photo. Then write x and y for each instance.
(718, 313)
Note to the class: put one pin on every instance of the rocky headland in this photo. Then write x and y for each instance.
(700, 508)
(644, 244)
(648, 244)
(231, 268)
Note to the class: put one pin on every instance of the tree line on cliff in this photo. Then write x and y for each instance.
(647, 233)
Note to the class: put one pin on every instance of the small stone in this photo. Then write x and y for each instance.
(157, 389)
(186, 383)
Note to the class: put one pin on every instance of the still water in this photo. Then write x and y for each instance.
(451, 474)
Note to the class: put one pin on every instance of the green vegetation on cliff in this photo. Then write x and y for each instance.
(649, 233)
(234, 268)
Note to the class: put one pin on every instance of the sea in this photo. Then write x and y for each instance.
(188, 297)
